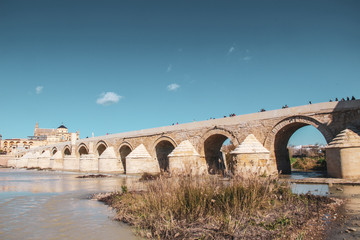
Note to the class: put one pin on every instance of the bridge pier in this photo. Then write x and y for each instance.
(251, 157)
(88, 163)
(185, 160)
(44, 160)
(57, 161)
(343, 155)
(33, 160)
(11, 162)
(71, 163)
(23, 161)
(108, 162)
(140, 161)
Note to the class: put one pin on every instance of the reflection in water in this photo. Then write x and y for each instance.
(53, 205)
(315, 189)
(304, 174)
(348, 228)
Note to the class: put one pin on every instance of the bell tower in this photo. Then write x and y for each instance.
(36, 129)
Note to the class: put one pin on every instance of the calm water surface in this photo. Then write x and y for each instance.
(350, 209)
(55, 205)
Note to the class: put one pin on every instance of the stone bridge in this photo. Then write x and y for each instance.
(260, 139)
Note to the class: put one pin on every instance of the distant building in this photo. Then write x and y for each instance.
(306, 150)
(60, 134)
(42, 137)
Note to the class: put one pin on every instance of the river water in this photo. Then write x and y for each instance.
(347, 223)
(55, 205)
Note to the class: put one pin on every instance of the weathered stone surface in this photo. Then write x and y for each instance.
(57, 161)
(44, 160)
(343, 155)
(33, 160)
(12, 162)
(23, 161)
(349, 137)
(272, 129)
(250, 145)
(4, 160)
(109, 162)
(88, 163)
(140, 161)
(184, 159)
(251, 157)
(71, 163)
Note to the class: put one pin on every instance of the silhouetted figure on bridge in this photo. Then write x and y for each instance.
(309, 102)
(336, 99)
(342, 100)
(347, 99)
(330, 100)
(353, 98)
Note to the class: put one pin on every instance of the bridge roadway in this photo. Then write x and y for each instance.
(260, 139)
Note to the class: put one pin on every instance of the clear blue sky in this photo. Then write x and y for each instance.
(113, 66)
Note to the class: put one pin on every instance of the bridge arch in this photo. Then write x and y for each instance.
(66, 150)
(101, 146)
(124, 149)
(82, 149)
(162, 147)
(278, 138)
(53, 151)
(210, 145)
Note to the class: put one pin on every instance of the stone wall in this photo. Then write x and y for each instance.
(271, 129)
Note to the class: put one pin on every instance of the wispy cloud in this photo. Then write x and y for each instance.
(173, 87)
(231, 49)
(169, 68)
(39, 89)
(247, 58)
(108, 98)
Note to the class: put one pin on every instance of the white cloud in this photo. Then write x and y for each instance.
(169, 68)
(231, 49)
(39, 89)
(173, 87)
(247, 58)
(108, 98)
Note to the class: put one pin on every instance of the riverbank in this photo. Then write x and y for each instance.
(190, 208)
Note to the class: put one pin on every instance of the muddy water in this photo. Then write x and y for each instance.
(54, 205)
(346, 225)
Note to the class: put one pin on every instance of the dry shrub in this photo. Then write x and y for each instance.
(309, 163)
(149, 176)
(207, 208)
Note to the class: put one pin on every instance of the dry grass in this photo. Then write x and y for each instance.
(189, 208)
(309, 163)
